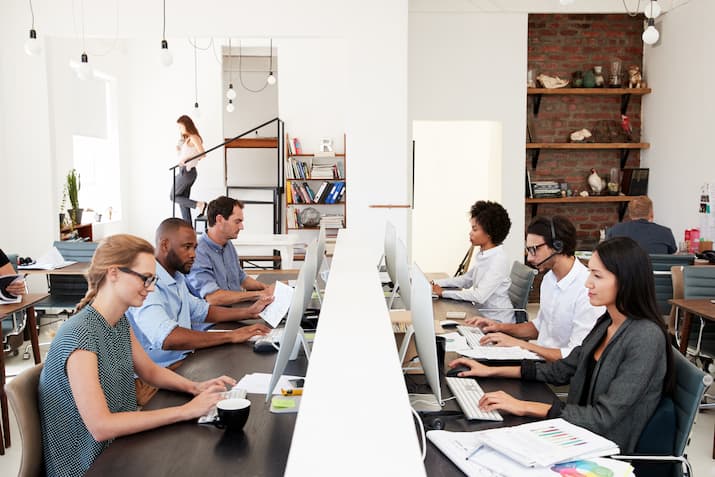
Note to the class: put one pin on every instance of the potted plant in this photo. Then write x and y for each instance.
(63, 206)
(73, 186)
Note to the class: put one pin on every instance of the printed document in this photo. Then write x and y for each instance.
(274, 313)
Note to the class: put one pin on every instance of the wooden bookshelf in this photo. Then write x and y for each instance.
(622, 200)
(254, 143)
(587, 145)
(589, 91)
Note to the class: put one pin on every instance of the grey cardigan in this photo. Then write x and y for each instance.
(626, 384)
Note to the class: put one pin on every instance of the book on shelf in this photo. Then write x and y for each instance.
(336, 221)
(542, 448)
(325, 154)
(291, 151)
(297, 148)
(289, 193)
(309, 191)
(321, 191)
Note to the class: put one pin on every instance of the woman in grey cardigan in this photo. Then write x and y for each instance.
(623, 367)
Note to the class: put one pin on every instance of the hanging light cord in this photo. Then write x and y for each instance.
(230, 77)
(193, 43)
(163, 25)
(116, 29)
(240, 73)
(196, 81)
(270, 55)
(32, 12)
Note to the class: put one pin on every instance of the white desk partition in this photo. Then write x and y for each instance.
(284, 243)
(354, 415)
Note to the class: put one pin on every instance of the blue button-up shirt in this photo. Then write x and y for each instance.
(170, 305)
(215, 268)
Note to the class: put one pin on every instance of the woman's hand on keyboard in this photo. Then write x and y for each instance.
(501, 401)
(224, 381)
(500, 339)
(242, 334)
(204, 402)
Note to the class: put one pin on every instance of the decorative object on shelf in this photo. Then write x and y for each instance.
(530, 79)
(551, 82)
(615, 78)
(326, 144)
(634, 76)
(589, 79)
(73, 186)
(635, 181)
(582, 135)
(577, 79)
(583, 193)
(609, 130)
(613, 182)
(596, 182)
(598, 76)
(626, 125)
(309, 217)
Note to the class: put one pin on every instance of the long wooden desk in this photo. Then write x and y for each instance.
(27, 304)
(188, 448)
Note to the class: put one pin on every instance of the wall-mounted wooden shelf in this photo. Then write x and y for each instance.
(622, 200)
(254, 143)
(625, 148)
(624, 93)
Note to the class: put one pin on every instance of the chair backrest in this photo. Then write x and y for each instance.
(676, 273)
(661, 264)
(690, 387)
(522, 279)
(76, 251)
(22, 394)
(698, 282)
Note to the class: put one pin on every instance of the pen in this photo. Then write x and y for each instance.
(292, 392)
(474, 451)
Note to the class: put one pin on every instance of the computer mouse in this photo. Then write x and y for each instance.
(264, 346)
(453, 373)
(448, 323)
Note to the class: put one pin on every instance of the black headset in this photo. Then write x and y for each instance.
(556, 244)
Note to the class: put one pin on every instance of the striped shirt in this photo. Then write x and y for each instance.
(69, 448)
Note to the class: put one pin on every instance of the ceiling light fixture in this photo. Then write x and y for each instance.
(650, 35)
(165, 55)
(197, 111)
(84, 69)
(231, 93)
(652, 9)
(271, 80)
(33, 46)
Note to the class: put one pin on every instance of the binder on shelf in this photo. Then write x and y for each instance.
(331, 194)
(311, 194)
(321, 191)
(323, 197)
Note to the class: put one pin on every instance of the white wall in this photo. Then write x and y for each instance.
(467, 66)
(678, 114)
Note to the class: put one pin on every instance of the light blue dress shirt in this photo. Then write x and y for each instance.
(170, 305)
(215, 268)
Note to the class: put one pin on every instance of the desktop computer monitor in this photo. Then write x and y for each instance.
(301, 298)
(425, 336)
(390, 250)
(402, 272)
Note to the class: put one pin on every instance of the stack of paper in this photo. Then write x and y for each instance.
(547, 448)
(49, 261)
(498, 352)
(257, 383)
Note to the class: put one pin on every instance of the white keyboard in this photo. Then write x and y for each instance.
(468, 393)
(472, 335)
(275, 336)
(235, 393)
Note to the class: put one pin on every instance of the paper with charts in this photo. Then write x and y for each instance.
(274, 313)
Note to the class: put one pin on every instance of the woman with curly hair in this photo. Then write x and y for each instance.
(487, 283)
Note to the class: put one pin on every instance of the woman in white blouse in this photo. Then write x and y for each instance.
(487, 283)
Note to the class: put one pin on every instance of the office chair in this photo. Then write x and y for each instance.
(463, 266)
(662, 275)
(22, 394)
(522, 280)
(699, 282)
(13, 329)
(678, 412)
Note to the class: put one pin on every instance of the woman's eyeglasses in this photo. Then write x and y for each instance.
(148, 280)
(531, 249)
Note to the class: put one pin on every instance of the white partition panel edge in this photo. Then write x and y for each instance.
(354, 415)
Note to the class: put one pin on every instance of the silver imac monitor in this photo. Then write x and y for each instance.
(425, 340)
(390, 250)
(402, 271)
(292, 333)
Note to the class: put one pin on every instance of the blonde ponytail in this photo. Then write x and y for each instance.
(114, 251)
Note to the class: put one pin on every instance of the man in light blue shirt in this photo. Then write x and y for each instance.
(217, 275)
(172, 321)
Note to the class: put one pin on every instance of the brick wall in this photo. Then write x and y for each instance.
(558, 45)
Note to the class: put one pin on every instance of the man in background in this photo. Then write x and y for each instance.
(653, 238)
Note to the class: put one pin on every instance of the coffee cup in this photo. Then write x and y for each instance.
(232, 413)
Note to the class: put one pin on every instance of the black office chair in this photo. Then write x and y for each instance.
(699, 282)
(661, 447)
(67, 290)
(662, 276)
(13, 328)
(522, 280)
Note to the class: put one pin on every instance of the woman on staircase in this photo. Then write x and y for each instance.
(190, 145)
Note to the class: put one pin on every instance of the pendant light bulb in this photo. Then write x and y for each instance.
(231, 93)
(165, 55)
(196, 110)
(271, 80)
(650, 35)
(230, 107)
(33, 46)
(652, 10)
(84, 70)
